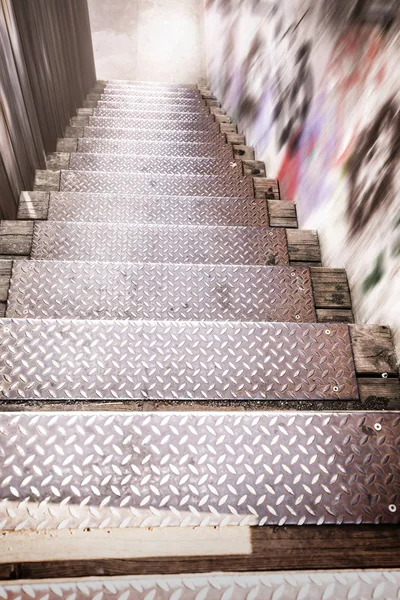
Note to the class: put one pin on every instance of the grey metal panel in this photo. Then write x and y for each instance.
(296, 585)
(166, 114)
(206, 124)
(136, 183)
(119, 242)
(153, 135)
(156, 210)
(135, 92)
(149, 84)
(147, 100)
(152, 107)
(191, 360)
(79, 290)
(155, 164)
(178, 149)
(199, 469)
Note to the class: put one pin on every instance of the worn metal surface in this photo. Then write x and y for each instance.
(147, 101)
(166, 115)
(296, 585)
(153, 135)
(68, 470)
(80, 290)
(141, 91)
(127, 83)
(178, 149)
(155, 184)
(119, 242)
(152, 107)
(165, 210)
(155, 164)
(132, 122)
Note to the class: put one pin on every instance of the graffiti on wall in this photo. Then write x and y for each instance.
(314, 85)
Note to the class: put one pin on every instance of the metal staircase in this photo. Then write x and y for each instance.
(155, 275)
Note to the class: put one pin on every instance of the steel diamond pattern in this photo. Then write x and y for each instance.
(167, 210)
(142, 92)
(178, 149)
(207, 125)
(296, 585)
(122, 242)
(196, 469)
(79, 290)
(155, 164)
(155, 184)
(153, 135)
(116, 109)
(202, 117)
(148, 102)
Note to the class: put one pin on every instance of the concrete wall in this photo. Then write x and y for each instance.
(148, 40)
(314, 85)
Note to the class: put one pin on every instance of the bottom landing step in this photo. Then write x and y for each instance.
(59, 359)
(113, 470)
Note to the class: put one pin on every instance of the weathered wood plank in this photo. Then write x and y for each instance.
(228, 128)
(57, 161)
(282, 213)
(80, 121)
(74, 132)
(243, 152)
(222, 119)
(281, 548)
(303, 245)
(373, 350)
(216, 110)
(3, 308)
(82, 112)
(5, 276)
(67, 145)
(94, 96)
(90, 103)
(15, 238)
(266, 188)
(334, 315)
(330, 287)
(235, 138)
(47, 181)
(375, 388)
(213, 103)
(33, 206)
(253, 167)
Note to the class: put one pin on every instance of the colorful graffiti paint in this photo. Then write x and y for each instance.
(315, 88)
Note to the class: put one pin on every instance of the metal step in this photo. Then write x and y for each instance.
(146, 100)
(178, 149)
(76, 470)
(153, 135)
(117, 90)
(156, 210)
(155, 164)
(165, 114)
(154, 107)
(136, 183)
(288, 585)
(149, 84)
(206, 124)
(120, 242)
(79, 290)
(94, 360)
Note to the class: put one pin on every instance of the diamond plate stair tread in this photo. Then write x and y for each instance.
(195, 469)
(201, 117)
(75, 359)
(140, 92)
(79, 290)
(155, 164)
(153, 135)
(146, 101)
(157, 210)
(155, 184)
(177, 149)
(290, 585)
(149, 84)
(154, 108)
(122, 242)
(158, 124)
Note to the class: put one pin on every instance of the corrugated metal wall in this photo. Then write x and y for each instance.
(46, 69)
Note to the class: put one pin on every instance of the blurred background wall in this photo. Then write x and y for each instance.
(314, 85)
(149, 40)
(47, 69)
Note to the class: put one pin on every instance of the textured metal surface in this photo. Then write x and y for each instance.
(296, 585)
(68, 470)
(153, 135)
(146, 101)
(155, 164)
(152, 115)
(110, 83)
(175, 360)
(178, 149)
(154, 92)
(156, 184)
(131, 122)
(156, 210)
(123, 242)
(80, 290)
(154, 108)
